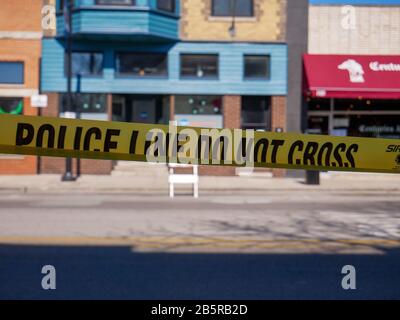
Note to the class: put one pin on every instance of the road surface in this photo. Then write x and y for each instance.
(274, 246)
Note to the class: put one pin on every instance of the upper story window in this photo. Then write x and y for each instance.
(86, 64)
(202, 66)
(256, 67)
(11, 72)
(142, 64)
(115, 2)
(166, 5)
(229, 8)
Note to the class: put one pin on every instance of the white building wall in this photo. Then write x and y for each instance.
(354, 30)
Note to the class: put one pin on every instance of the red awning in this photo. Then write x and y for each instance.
(352, 76)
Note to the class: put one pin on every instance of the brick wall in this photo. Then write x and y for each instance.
(20, 15)
(53, 165)
(26, 51)
(278, 112)
(232, 106)
(268, 23)
(20, 42)
(232, 120)
(278, 115)
(57, 165)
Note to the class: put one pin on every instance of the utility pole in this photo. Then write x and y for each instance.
(68, 4)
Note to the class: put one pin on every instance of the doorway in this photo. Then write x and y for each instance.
(141, 108)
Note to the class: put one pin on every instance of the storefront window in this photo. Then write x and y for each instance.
(256, 67)
(11, 72)
(86, 64)
(256, 113)
(142, 64)
(376, 126)
(229, 8)
(199, 111)
(318, 104)
(85, 103)
(366, 105)
(375, 118)
(318, 125)
(11, 105)
(198, 105)
(200, 66)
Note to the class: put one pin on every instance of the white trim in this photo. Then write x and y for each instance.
(16, 92)
(351, 113)
(11, 157)
(355, 89)
(229, 19)
(27, 35)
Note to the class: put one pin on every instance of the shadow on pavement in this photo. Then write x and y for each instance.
(122, 273)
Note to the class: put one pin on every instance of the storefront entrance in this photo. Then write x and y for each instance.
(353, 95)
(140, 108)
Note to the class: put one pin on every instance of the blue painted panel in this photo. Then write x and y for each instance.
(121, 23)
(161, 26)
(151, 4)
(230, 69)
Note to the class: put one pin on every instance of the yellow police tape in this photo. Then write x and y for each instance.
(167, 143)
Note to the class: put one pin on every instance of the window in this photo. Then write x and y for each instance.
(86, 64)
(207, 105)
(142, 64)
(256, 113)
(63, 2)
(256, 67)
(116, 2)
(229, 8)
(11, 105)
(199, 66)
(12, 72)
(85, 103)
(166, 5)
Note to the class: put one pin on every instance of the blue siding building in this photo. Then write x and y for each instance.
(130, 64)
(231, 79)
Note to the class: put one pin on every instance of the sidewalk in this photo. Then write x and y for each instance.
(330, 182)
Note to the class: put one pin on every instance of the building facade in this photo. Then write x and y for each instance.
(357, 44)
(20, 52)
(198, 62)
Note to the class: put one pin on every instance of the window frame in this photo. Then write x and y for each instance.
(250, 78)
(118, 74)
(167, 11)
(266, 124)
(100, 75)
(214, 15)
(194, 77)
(16, 62)
(132, 3)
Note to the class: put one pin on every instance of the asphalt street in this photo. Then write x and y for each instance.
(272, 246)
